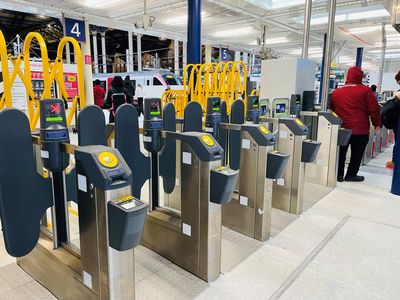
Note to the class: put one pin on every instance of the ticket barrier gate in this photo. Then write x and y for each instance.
(377, 142)
(111, 220)
(252, 152)
(325, 128)
(250, 149)
(253, 110)
(191, 237)
(288, 192)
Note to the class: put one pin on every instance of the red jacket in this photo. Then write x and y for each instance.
(355, 103)
(99, 95)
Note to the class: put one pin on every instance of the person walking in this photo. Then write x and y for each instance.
(99, 94)
(355, 104)
(391, 115)
(129, 86)
(140, 95)
(116, 96)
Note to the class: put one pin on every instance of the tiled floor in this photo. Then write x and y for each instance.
(346, 246)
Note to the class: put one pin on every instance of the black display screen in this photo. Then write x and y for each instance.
(263, 110)
(56, 135)
(280, 108)
(216, 105)
(255, 102)
(155, 108)
(54, 112)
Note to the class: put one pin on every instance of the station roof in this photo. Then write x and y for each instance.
(238, 23)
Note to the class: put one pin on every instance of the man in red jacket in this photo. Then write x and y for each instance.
(355, 104)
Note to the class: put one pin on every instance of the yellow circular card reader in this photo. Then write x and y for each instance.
(207, 140)
(108, 159)
(264, 130)
(300, 123)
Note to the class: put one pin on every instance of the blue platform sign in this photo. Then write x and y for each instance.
(76, 29)
(224, 54)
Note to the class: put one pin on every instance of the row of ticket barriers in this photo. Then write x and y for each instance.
(378, 142)
(204, 172)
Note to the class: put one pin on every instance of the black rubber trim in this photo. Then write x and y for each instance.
(193, 117)
(127, 142)
(167, 158)
(237, 117)
(92, 127)
(24, 194)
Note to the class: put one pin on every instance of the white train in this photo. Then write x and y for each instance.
(149, 83)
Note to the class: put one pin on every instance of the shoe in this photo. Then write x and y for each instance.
(340, 179)
(389, 165)
(354, 178)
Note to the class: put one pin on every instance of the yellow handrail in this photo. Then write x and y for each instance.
(6, 97)
(81, 85)
(52, 72)
(226, 80)
(32, 112)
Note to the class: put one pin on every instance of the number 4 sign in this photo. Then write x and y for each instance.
(76, 29)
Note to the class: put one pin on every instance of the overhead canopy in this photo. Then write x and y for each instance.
(238, 23)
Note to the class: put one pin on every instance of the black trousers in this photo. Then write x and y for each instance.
(358, 143)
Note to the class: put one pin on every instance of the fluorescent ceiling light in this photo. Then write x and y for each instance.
(279, 40)
(180, 20)
(360, 30)
(315, 55)
(387, 51)
(392, 56)
(276, 4)
(393, 36)
(368, 14)
(91, 3)
(285, 3)
(234, 32)
(324, 20)
(311, 50)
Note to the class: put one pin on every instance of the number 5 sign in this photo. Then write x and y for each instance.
(76, 29)
(224, 54)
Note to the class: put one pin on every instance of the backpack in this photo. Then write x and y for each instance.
(117, 99)
(390, 113)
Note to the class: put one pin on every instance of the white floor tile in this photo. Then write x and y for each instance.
(364, 255)
(313, 286)
(257, 278)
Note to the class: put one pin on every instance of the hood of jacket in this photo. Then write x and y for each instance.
(354, 75)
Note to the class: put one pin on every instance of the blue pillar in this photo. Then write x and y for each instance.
(194, 32)
(359, 57)
(322, 70)
(396, 171)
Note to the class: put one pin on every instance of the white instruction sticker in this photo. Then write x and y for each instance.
(280, 181)
(244, 200)
(87, 279)
(44, 154)
(147, 139)
(245, 144)
(187, 158)
(283, 134)
(187, 229)
(209, 129)
(82, 185)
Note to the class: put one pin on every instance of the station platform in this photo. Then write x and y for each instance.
(346, 246)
